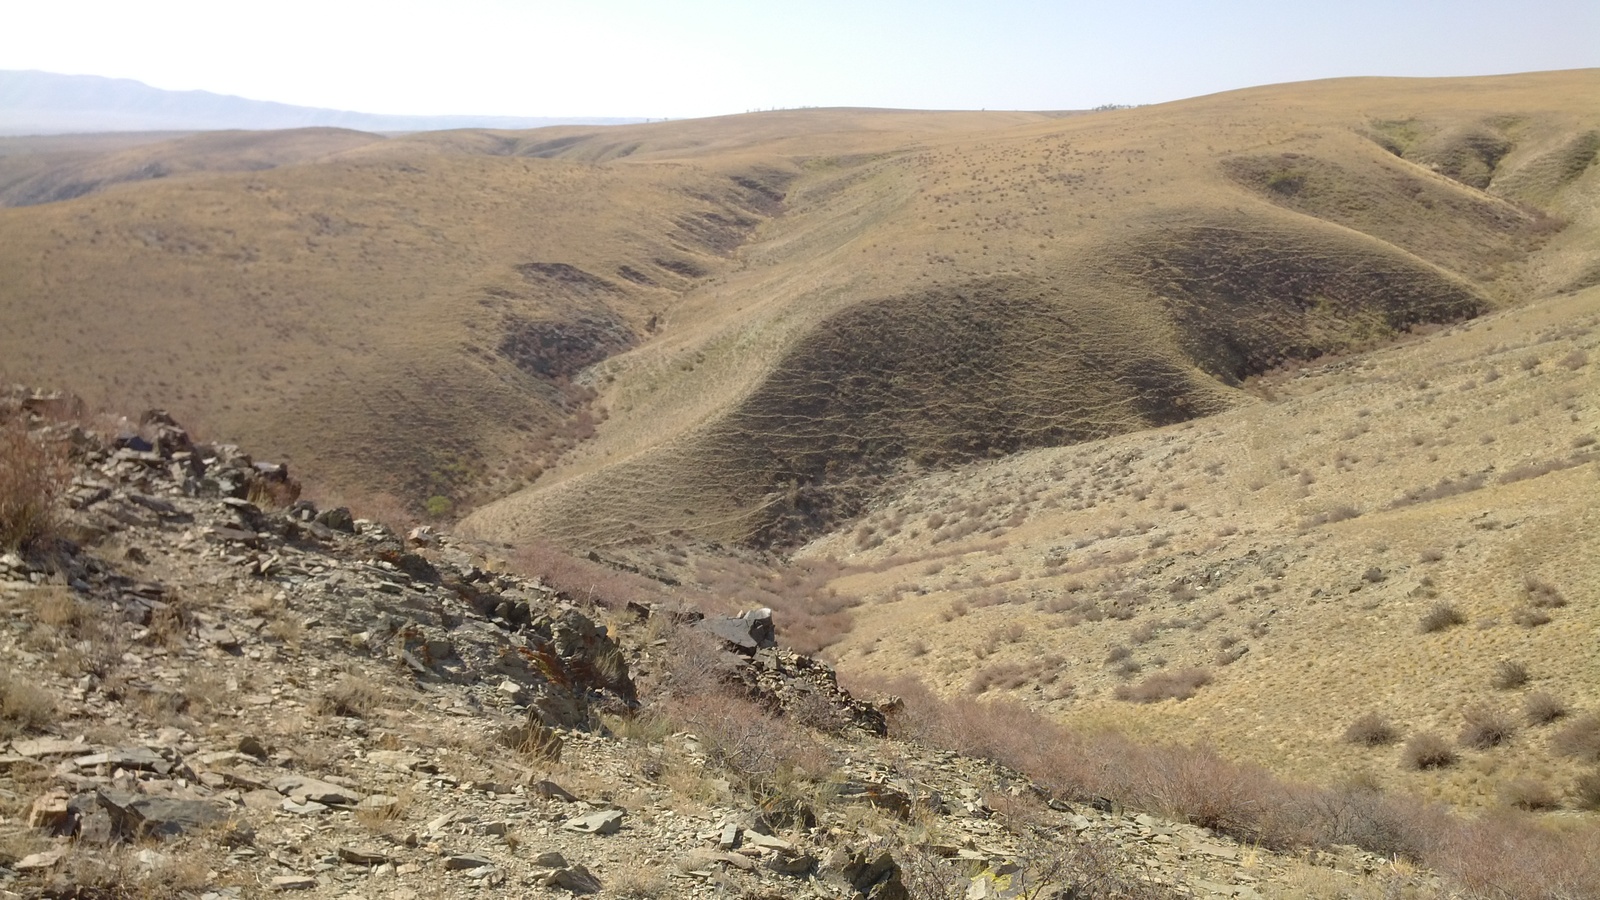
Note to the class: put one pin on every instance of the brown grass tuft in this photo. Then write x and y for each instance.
(1581, 739)
(1371, 730)
(1179, 685)
(1486, 728)
(1428, 751)
(1509, 674)
(32, 474)
(1440, 616)
(1542, 708)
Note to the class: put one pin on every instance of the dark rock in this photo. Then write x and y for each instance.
(466, 861)
(748, 632)
(576, 879)
(338, 518)
(870, 873)
(136, 816)
(362, 856)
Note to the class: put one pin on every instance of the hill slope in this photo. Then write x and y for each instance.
(762, 320)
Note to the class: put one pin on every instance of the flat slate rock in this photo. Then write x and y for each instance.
(48, 747)
(606, 821)
(133, 758)
(141, 816)
(303, 790)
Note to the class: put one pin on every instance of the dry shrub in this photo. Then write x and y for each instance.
(1542, 594)
(1509, 674)
(1530, 794)
(32, 474)
(587, 580)
(23, 704)
(1440, 616)
(1581, 739)
(1586, 791)
(1179, 685)
(352, 696)
(1428, 750)
(1371, 730)
(1528, 617)
(1339, 513)
(811, 615)
(1486, 728)
(1004, 675)
(1496, 856)
(764, 752)
(1543, 708)
(1511, 855)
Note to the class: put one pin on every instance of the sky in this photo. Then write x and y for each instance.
(689, 58)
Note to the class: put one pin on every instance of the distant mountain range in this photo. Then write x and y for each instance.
(33, 102)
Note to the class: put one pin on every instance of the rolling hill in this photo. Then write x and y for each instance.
(1229, 394)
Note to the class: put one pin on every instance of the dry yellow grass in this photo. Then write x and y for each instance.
(1211, 533)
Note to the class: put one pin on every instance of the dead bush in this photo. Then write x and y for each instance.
(1586, 791)
(1486, 728)
(1512, 855)
(1542, 594)
(765, 754)
(1530, 794)
(1428, 750)
(32, 474)
(1179, 685)
(352, 695)
(1581, 739)
(584, 579)
(1528, 617)
(1497, 856)
(1371, 730)
(1338, 513)
(24, 706)
(1509, 674)
(1440, 616)
(1542, 708)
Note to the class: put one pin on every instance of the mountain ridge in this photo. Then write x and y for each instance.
(39, 103)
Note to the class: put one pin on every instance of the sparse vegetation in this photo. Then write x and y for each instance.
(1440, 616)
(1581, 739)
(1428, 750)
(1371, 730)
(32, 473)
(1486, 728)
(1179, 685)
(1509, 674)
(1542, 708)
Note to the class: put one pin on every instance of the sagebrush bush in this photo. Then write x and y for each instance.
(1179, 685)
(1543, 708)
(1586, 792)
(1371, 730)
(1530, 794)
(1440, 616)
(1509, 674)
(1581, 739)
(1428, 750)
(1486, 727)
(32, 474)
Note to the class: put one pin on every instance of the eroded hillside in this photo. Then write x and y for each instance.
(741, 329)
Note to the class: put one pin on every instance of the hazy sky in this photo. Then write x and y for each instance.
(706, 57)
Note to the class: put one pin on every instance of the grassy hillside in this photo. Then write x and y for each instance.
(1291, 559)
(975, 294)
(742, 329)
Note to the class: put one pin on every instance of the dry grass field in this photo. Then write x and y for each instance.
(1282, 400)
